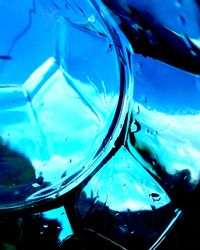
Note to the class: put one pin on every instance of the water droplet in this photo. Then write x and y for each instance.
(116, 214)
(132, 232)
(45, 226)
(155, 196)
(149, 131)
(125, 185)
(64, 174)
(109, 48)
(135, 126)
(35, 185)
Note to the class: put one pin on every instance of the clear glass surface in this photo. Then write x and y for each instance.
(60, 87)
(166, 105)
(101, 107)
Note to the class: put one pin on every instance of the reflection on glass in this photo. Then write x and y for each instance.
(168, 31)
(44, 230)
(58, 101)
(65, 83)
(166, 107)
(125, 204)
(165, 117)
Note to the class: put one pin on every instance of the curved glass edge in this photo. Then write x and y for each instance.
(160, 135)
(123, 49)
(133, 210)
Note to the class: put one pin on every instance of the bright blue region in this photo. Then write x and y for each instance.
(165, 88)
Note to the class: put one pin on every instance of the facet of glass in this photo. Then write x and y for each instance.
(44, 230)
(168, 31)
(60, 87)
(166, 104)
(167, 109)
(125, 204)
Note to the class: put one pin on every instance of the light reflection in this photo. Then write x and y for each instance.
(175, 146)
(56, 145)
(59, 214)
(122, 198)
(123, 182)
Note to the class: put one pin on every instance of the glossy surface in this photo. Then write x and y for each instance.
(58, 101)
(68, 125)
(45, 230)
(166, 105)
(167, 31)
(123, 203)
(166, 113)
